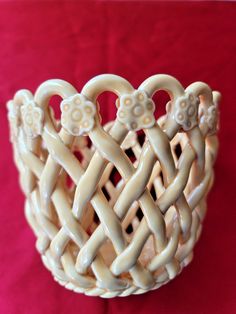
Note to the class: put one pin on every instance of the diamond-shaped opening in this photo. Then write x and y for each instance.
(153, 193)
(115, 177)
(95, 218)
(69, 182)
(130, 153)
(106, 193)
(141, 137)
(78, 154)
(139, 214)
(178, 150)
(129, 229)
(162, 177)
(89, 142)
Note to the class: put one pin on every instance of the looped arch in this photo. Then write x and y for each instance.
(22, 97)
(163, 82)
(51, 88)
(106, 82)
(201, 90)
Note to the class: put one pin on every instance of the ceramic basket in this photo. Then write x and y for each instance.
(116, 209)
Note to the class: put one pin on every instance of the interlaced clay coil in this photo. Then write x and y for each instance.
(116, 209)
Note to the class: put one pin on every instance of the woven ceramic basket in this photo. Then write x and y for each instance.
(116, 208)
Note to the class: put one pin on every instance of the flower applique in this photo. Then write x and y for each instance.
(32, 118)
(14, 119)
(136, 110)
(186, 111)
(78, 114)
(210, 117)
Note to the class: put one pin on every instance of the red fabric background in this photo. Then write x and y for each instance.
(76, 41)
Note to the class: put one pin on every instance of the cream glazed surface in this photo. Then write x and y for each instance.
(116, 208)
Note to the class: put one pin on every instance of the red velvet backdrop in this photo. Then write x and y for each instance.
(75, 41)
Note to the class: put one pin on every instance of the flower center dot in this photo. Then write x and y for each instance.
(76, 115)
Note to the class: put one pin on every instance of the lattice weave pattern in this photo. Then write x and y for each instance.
(116, 209)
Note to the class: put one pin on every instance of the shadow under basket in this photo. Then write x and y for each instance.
(116, 208)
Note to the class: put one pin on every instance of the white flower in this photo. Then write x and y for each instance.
(14, 119)
(186, 111)
(210, 117)
(136, 110)
(32, 118)
(78, 114)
